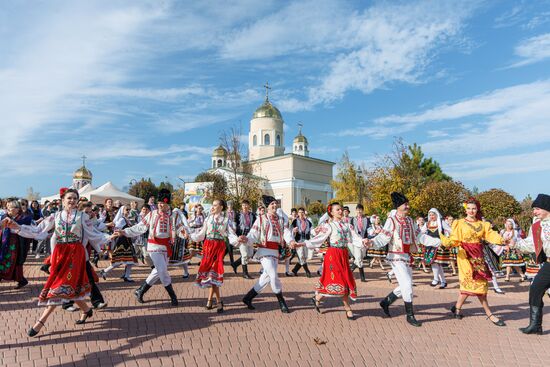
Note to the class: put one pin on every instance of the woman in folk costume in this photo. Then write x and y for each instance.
(401, 235)
(269, 232)
(14, 248)
(538, 241)
(469, 234)
(376, 255)
(337, 278)
(68, 280)
(162, 230)
(436, 255)
(215, 230)
(196, 223)
(122, 252)
(511, 258)
(180, 253)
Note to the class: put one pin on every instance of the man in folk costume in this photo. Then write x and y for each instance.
(243, 223)
(538, 242)
(301, 230)
(269, 232)
(400, 234)
(162, 227)
(360, 225)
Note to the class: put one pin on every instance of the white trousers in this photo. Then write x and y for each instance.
(303, 255)
(439, 274)
(269, 275)
(358, 255)
(403, 273)
(160, 261)
(246, 253)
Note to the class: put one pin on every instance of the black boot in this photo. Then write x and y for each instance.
(296, 268)
(535, 321)
(236, 264)
(308, 273)
(386, 302)
(282, 303)
(172, 294)
(247, 300)
(410, 315)
(245, 272)
(362, 273)
(353, 267)
(140, 292)
(45, 268)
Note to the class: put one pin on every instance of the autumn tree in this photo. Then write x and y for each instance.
(445, 196)
(219, 185)
(32, 195)
(350, 182)
(525, 217)
(144, 188)
(497, 205)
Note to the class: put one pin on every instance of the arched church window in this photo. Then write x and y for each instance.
(278, 140)
(300, 147)
(267, 140)
(219, 162)
(254, 140)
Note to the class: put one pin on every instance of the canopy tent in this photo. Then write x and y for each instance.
(85, 189)
(109, 190)
(48, 198)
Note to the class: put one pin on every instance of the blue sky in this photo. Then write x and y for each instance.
(143, 88)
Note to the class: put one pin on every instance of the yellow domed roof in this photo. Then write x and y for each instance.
(300, 139)
(267, 110)
(219, 152)
(82, 173)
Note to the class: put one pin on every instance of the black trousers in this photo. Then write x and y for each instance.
(95, 295)
(539, 286)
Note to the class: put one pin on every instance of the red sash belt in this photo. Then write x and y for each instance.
(406, 250)
(270, 245)
(163, 242)
(474, 254)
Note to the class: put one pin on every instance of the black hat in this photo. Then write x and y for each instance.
(164, 195)
(266, 199)
(542, 202)
(398, 199)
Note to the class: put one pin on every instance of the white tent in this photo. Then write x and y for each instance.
(109, 190)
(48, 198)
(85, 189)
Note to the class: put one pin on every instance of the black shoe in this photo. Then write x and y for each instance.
(456, 312)
(140, 292)
(172, 294)
(247, 300)
(353, 267)
(236, 264)
(306, 269)
(219, 307)
(386, 302)
(319, 272)
(497, 323)
(22, 283)
(296, 268)
(103, 274)
(443, 285)
(128, 280)
(85, 315)
(185, 276)
(315, 304)
(209, 304)
(362, 274)
(45, 268)
(350, 316)
(245, 272)
(33, 332)
(410, 315)
(535, 321)
(282, 303)
(287, 274)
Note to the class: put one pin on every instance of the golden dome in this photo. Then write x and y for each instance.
(82, 174)
(219, 152)
(267, 110)
(300, 138)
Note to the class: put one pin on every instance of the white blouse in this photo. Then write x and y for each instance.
(340, 235)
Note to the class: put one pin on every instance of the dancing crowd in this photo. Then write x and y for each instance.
(77, 233)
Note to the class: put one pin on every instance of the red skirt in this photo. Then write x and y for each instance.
(337, 279)
(68, 279)
(211, 269)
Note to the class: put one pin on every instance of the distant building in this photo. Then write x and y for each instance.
(82, 176)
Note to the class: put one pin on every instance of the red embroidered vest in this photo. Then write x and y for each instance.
(536, 230)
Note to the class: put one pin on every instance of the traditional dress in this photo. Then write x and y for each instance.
(337, 278)
(473, 272)
(303, 233)
(373, 230)
(511, 257)
(214, 232)
(435, 254)
(243, 223)
(360, 225)
(13, 252)
(68, 280)
(180, 252)
(196, 224)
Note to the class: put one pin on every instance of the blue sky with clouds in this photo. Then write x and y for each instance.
(143, 88)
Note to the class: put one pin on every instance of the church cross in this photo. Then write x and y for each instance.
(300, 125)
(83, 160)
(267, 88)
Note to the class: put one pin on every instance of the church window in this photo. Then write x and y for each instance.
(219, 162)
(300, 147)
(267, 140)
(278, 140)
(254, 140)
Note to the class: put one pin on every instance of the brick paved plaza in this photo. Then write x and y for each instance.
(155, 334)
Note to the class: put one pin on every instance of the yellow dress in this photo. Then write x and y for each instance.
(468, 236)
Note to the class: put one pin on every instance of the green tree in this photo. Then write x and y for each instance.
(525, 217)
(445, 196)
(350, 183)
(144, 188)
(166, 185)
(497, 205)
(219, 185)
